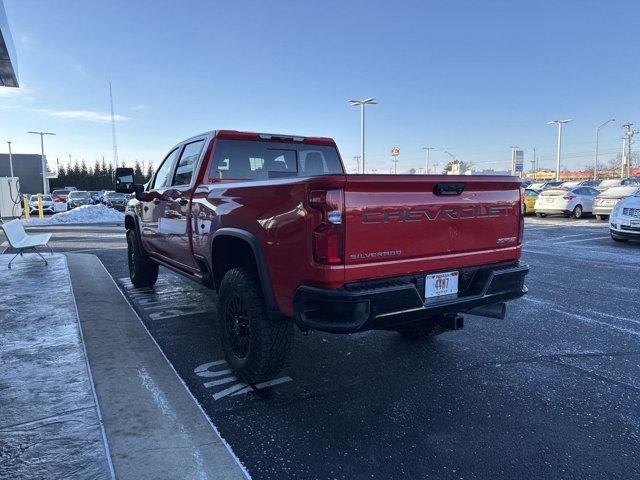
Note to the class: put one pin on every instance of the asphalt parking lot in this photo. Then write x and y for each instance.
(551, 391)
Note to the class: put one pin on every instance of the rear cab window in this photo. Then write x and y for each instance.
(254, 160)
(187, 163)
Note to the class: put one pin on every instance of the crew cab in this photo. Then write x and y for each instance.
(285, 237)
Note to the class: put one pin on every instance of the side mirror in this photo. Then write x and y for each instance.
(124, 180)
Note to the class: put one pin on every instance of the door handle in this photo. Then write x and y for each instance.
(183, 201)
(172, 214)
(156, 201)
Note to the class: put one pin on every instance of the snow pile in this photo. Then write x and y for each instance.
(85, 214)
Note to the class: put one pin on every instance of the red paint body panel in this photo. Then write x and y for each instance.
(398, 214)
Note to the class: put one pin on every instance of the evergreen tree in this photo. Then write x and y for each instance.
(138, 176)
(149, 173)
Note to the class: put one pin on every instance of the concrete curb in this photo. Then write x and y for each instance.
(154, 427)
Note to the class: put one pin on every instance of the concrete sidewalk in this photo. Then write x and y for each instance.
(49, 420)
(154, 427)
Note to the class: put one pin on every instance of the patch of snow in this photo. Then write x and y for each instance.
(85, 214)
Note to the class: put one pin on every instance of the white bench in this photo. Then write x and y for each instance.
(21, 241)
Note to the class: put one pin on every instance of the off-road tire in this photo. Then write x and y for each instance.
(143, 271)
(420, 329)
(267, 342)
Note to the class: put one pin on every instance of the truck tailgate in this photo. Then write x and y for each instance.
(406, 223)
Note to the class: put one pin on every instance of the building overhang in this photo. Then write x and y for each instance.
(8, 59)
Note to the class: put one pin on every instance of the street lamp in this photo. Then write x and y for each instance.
(595, 166)
(428, 149)
(361, 104)
(559, 123)
(450, 154)
(44, 173)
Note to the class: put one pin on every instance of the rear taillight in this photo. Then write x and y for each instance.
(569, 197)
(521, 223)
(328, 236)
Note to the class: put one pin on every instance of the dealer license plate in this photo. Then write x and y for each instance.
(439, 284)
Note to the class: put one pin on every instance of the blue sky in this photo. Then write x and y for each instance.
(470, 77)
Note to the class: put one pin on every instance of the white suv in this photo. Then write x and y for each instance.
(624, 223)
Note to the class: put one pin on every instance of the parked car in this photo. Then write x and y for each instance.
(574, 202)
(273, 223)
(606, 200)
(631, 181)
(48, 204)
(95, 197)
(60, 195)
(537, 186)
(590, 183)
(116, 200)
(624, 223)
(571, 184)
(78, 198)
(530, 197)
(609, 183)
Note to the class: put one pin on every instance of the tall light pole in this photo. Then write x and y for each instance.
(361, 104)
(10, 160)
(44, 167)
(428, 149)
(595, 165)
(559, 123)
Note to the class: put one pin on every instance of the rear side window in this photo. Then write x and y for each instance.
(243, 160)
(187, 163)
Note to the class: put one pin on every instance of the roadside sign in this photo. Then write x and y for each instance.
(395, 151)
(517, 161)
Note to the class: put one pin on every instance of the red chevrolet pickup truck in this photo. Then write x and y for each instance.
(285, 237)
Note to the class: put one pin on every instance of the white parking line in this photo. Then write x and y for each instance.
(581, 318)
(580, 240)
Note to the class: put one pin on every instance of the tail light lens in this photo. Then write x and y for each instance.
(328, 237)
(569, 197)
(521, 223)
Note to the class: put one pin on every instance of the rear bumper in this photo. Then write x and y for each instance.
(387, 303)
(554, 211)
(602, 210)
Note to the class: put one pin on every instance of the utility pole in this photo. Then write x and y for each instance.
(428, 149)
(113, 129)
(533, 163)
(10, 160)
(560, 123)
(361, 104)
(45, 190)
(626, 142)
